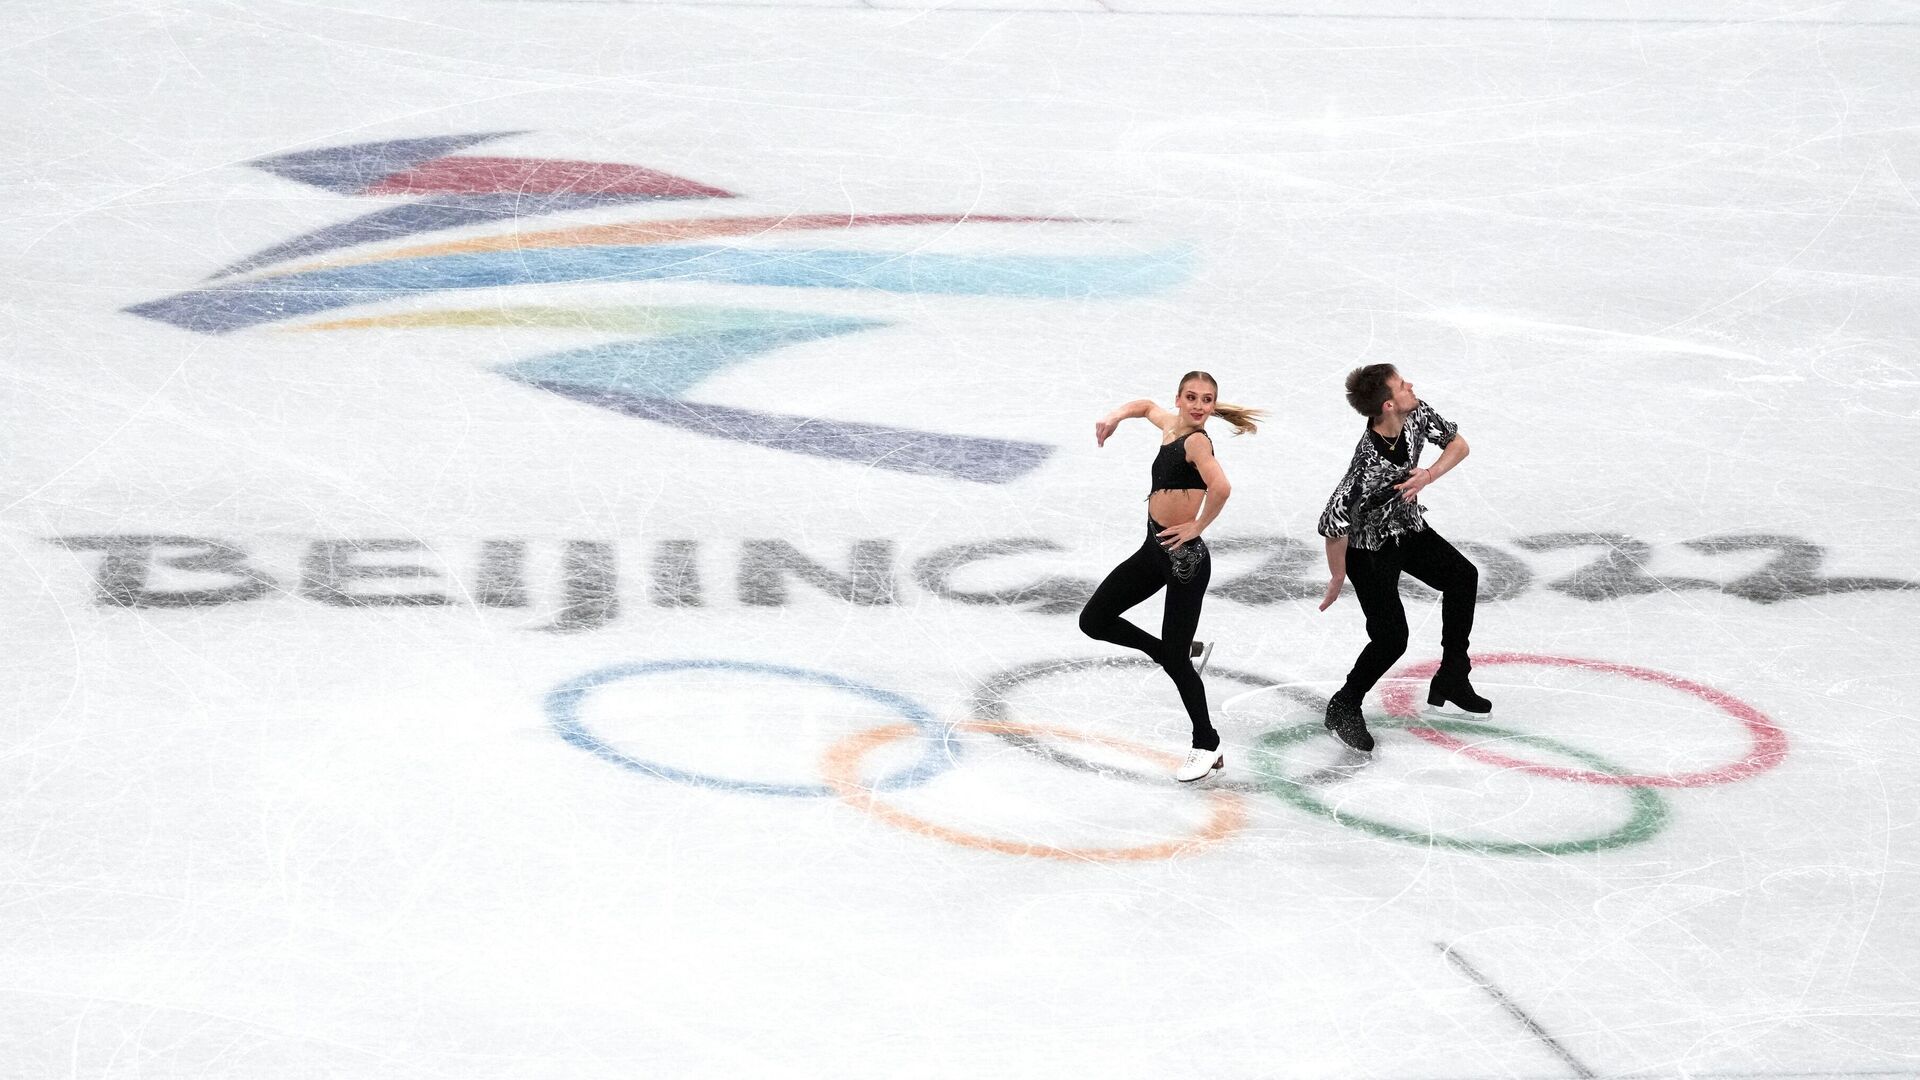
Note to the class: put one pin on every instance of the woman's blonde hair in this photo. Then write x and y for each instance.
(1243, 419)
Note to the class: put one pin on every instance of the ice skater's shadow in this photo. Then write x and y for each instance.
(1343, 769)
(1347, 768)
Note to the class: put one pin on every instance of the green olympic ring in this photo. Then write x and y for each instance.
(1649, 814)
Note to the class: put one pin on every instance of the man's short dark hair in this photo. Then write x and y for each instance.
(1367, 389)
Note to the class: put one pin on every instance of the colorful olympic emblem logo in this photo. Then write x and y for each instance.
(639, 360)
(1276, 764)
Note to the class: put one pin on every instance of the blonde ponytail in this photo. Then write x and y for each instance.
(1243, 419)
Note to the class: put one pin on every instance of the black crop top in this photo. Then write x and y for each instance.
(1171, 469)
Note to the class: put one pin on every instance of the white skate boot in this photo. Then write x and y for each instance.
(1199, 765)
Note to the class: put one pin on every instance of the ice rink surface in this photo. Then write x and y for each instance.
(542, 539)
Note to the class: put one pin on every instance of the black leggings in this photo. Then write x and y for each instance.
(1184, 574)
(1427, 557)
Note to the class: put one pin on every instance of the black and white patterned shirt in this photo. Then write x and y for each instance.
(1364, 506)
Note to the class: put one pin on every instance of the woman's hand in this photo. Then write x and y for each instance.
(1333, 592)
(1102, 428)
(1411, 487)
(1173, 537)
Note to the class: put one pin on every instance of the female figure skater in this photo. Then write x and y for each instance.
(1376, 528)
(1189, 489)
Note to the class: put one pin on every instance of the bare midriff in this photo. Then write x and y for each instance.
(1175, 506)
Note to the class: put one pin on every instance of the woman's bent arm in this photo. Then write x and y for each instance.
(1104, 426)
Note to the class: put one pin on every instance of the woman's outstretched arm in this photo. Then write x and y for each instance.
(1104, 426)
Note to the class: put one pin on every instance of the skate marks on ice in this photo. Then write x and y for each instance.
(1598, 712)
(749, 715)
(1414, 790)
(646, 377)
(1766, 743)
(1625, 567)
(1513, 1009)
(1343, 768)
(1225, 811)
(1404, 792)
(157, 570)
(459, 191)
(585, 589)
(992, 705)
(1443, 807)
(566, 713)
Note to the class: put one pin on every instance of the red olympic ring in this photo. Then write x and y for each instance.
(1769, 742)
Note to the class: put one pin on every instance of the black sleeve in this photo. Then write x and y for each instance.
(1440, 431)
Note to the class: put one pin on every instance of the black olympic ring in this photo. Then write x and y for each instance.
(989, 705)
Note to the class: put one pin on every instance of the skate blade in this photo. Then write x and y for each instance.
(1337, 737)
(1455, 712)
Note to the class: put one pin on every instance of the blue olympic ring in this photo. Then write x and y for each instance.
(563, 710)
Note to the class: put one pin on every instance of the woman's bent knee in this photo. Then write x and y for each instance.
(1390, 642)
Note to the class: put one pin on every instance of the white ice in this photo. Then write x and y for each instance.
(1658, 261)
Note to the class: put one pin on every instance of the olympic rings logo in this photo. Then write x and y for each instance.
(1225, 803)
